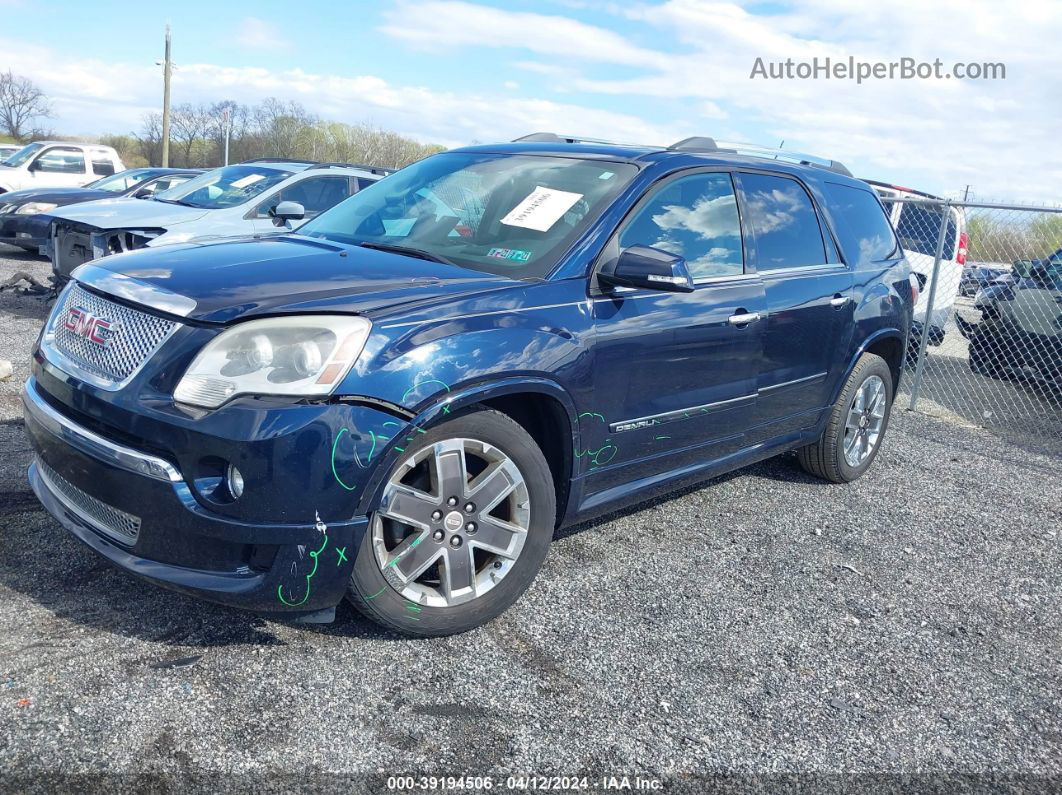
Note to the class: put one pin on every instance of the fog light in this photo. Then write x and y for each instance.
(234, 480)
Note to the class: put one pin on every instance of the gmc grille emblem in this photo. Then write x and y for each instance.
(96, 330)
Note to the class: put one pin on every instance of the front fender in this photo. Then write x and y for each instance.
(453, 402)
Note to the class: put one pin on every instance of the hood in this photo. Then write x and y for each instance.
(57, 196)
(283, 275)
(129, 213)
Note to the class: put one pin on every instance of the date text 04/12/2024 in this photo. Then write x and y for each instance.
(529, 783)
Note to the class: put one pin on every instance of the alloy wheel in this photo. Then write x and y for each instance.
(452, 521)
(866, 416)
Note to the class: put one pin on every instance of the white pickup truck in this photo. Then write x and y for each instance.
(57, 164)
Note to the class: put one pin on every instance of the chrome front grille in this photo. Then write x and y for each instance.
(111, 353)
(119, 525)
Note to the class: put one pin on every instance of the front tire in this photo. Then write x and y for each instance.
(463, 524)
(856, 427)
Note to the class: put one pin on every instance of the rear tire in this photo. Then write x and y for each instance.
(856, 427)
(984, 362)
(450, 595)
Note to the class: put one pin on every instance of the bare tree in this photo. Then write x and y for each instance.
(149, 139)
(189, 126)
(21, 101)
(284, 127)
(272, 129)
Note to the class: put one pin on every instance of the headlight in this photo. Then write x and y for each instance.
(305, 356)
(33, 208)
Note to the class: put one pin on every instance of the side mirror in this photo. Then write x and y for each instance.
(287, 211)
(36, 165)
(648, 268)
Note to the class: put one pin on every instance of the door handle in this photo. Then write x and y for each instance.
(744, 318)
(838, 301)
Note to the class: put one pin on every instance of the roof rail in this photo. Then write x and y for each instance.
(705, 144)
(380, 170)
(553, 138)
(277, 160)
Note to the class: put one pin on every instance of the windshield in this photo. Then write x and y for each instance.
(123, 180)
(22, 155)
(512, 215)
(224, 187)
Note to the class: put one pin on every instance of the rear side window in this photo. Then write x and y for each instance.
(782, 218)
(102, 166)
(919, 228)
(862, 225)
(695, 217)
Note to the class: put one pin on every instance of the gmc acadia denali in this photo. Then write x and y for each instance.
(403, 401)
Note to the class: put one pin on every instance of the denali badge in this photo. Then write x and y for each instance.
(96, 330)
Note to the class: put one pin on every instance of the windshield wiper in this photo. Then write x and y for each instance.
(174, 201)
(408, 251)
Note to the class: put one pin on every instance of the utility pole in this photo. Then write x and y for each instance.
(167, 70)
(966, 194)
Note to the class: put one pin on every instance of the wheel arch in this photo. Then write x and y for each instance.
(890, 345)
(541, 406)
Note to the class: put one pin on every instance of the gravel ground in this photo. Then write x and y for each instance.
(767, 625)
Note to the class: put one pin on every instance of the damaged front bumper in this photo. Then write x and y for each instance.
(147, 513)
(73, 244)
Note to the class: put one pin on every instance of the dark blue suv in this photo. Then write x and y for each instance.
(403, 401)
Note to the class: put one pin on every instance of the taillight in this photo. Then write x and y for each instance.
(964, 242)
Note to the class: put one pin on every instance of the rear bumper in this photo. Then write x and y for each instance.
(85, 480)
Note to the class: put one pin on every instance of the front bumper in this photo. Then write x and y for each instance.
(138, 510)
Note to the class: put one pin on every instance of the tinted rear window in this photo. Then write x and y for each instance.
(919, 228)
(865, 233)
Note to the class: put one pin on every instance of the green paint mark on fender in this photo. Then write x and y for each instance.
(342, 555)
(315, 554)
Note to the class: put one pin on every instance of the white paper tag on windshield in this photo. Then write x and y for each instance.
(250, 179)
(541, 209)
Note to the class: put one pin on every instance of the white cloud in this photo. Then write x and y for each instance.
(939, 134)
(91, 96)
(445, 24)
(258, 34)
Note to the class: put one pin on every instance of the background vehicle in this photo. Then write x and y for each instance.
(6, 150)
(24, 214)
(918, 228)
(1020, 331)
(232, 201)
(402, 401)
(57, 164)
(975, 277)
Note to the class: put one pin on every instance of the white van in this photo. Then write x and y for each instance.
(918, 228)
(57, 164)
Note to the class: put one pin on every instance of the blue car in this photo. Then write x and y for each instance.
(25, 219)
(403, 401)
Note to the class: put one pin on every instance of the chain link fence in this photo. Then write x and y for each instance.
(986, 347)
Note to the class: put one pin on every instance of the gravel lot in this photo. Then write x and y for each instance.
(765, 625)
